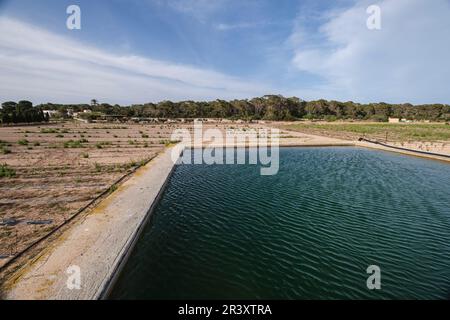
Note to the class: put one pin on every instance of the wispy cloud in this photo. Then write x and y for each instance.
(407, 60)
(200, 9)
(246, 25)
(231, 26)
(42, 66)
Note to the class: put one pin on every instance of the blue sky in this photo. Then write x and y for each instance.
(134, 51)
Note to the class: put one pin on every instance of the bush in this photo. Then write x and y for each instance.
(73, 144)
(23, 142)
(6, 172)
(330, 118)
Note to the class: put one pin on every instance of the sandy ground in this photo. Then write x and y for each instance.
(52, 182)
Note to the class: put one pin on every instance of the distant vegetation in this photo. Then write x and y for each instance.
(270, 107)
(21, 112)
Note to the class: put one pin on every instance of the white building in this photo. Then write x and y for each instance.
(51, 113)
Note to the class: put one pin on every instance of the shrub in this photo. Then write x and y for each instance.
(330, 118)
(6, 172)
(73, 144)
(23, 142)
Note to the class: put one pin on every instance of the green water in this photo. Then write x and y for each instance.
(309, 232)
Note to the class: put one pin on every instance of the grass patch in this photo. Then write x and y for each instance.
(23, 142)
(73, 144)
(49, 130)
(168, 143)
(112, 188)
(398, 132)
(100, 145)
(6, 172)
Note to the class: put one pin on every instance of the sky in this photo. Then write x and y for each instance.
(137, 51)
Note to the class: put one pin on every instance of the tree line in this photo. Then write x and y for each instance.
(21, 112)
(269, 107)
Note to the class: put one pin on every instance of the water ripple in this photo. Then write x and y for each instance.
(309, 232)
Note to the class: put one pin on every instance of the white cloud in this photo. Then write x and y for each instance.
(406, 61)
(41, 66)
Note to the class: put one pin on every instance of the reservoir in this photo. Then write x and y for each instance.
(309, 232)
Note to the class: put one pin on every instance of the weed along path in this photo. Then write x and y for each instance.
(82, 263)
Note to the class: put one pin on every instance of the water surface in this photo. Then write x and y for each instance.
(309, 232)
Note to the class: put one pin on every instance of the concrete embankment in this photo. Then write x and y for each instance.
(98, 245)
(415, 153)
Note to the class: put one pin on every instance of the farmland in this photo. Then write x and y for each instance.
(49, 172)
